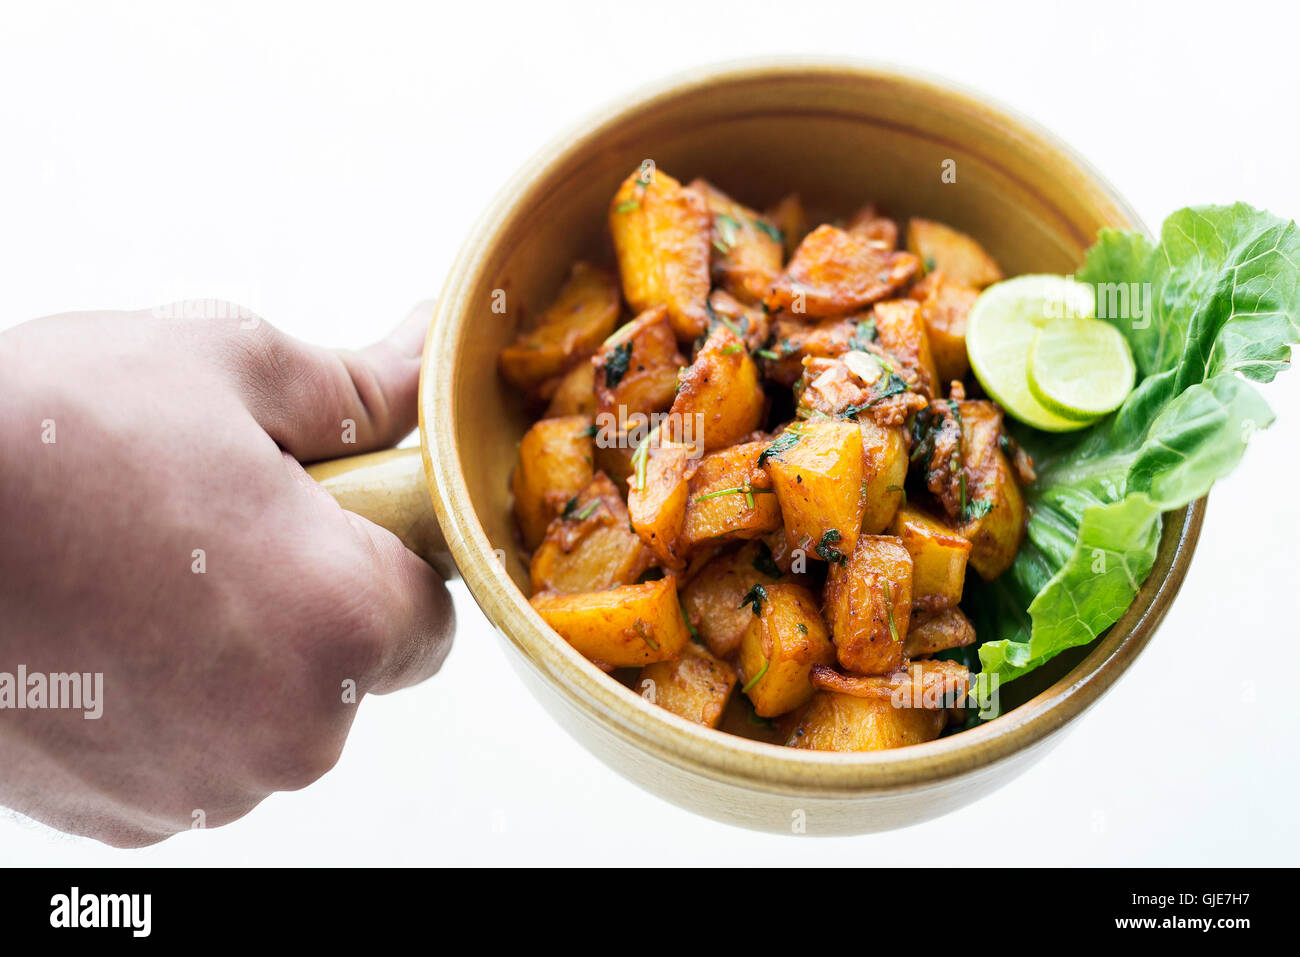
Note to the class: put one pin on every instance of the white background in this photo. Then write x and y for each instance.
(322, 163)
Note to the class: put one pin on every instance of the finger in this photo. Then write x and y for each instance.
(321, 403)
(416, 616)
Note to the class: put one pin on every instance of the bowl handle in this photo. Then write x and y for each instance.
(389, 488)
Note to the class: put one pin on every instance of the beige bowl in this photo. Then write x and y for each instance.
(841, 134)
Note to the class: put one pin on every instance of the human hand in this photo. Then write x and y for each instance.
(156, 527)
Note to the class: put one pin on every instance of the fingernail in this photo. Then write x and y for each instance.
(408, 337)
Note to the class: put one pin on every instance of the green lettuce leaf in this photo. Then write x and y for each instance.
(1215, 303)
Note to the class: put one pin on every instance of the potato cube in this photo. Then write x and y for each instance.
(746, 256)
(657, 495)
(901, 331)
(842, 722)
(590, 546)
(696, 686)
(869, 605)
(944, 307)
(834, 272)
(555, 462)
(780, 646)
(636, 369)
(933, 685)
(661, 237)
(720, 394)
(884, 452)
(938, 631)
(583, 314)
(995, 509)
(789, 217)
(711, 600)
(876, 229)
(939, 558)
(622, 627)
(818, 480)
(960, 257)
(574, 393)
(730, 497)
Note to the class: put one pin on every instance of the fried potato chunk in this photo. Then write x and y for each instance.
(934, 685)
(730, 497)
(780, 646)
(791, 219)
(696, 686)
(747, 252)
(834, 272)
(555, 462)
(874, 228)
(636, 369)
(901, 330)
(938, 631)
(622, 627)
(711, 600)
(570, 329)
(721, 387)
(590, 546)
(843, 722)
(945, 304)
(884, 454)
(960, 257)
(661, 236)
(819, 482)
(574, 393)
(939, 558)
(869, 605)
(657, 495)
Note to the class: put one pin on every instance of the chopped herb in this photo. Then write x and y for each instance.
(899, 489)
(889, 610)
(590, 432)
(616, 363)
(783, 443)
(758, 677)
(864, 333)
(732, 349)
(747, 490)
(639, 460)
(639, 627)
(755, 596)
(767, 354)
(976, 508)
(627, 206)
(771, 230)
(765, 564)
(695, 632)
(727, 227)
(586, 512)
(803, 629)
(569, 508)
(720, 247)
(929, 264)
(826, 547)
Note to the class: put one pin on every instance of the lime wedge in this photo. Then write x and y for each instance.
(1080, 368)
(1000, 333)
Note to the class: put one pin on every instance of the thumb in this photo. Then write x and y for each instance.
(321, 403)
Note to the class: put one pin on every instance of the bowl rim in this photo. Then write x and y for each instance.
(714, 754)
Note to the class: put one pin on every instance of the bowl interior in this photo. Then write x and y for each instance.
(840, 136)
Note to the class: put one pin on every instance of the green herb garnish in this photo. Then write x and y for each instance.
(765, 564)
(616, 363)
(889, 610)
(782, 443)
(758, 677)
(755, 596)
(639, 627)
(826, 547)
(627, 205)
(768, 228)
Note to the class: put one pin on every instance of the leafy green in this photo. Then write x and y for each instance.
(1215, 303)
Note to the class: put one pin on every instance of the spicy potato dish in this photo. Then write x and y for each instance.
(758, 482)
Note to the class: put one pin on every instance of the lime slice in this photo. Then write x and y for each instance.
(1080, 368)
(1000, 332)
